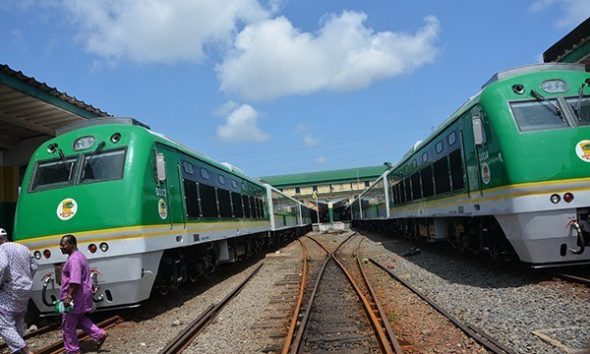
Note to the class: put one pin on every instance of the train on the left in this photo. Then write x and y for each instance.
(149, 213)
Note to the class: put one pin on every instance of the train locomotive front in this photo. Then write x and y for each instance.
(148, 212)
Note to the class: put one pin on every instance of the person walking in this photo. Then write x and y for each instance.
(17, 268)
(76, 292)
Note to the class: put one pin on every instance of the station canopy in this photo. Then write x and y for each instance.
(29, 108)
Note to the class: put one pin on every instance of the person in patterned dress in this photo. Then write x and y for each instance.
(17, 267)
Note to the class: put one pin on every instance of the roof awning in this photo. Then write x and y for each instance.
(29, 109)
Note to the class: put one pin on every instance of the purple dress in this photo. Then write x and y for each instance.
(76, 271)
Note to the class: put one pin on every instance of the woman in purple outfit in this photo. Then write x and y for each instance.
(76, 289)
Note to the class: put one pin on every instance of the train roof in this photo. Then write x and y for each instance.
(180, 146)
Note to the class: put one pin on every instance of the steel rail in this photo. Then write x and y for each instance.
(391, 336)
(187, 336)
(575, 278)
(295, 315)
(478, 335)
(58, 347)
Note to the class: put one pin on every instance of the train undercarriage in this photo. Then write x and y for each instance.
(474, 235)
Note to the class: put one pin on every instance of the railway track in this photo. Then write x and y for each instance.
(184, 339)
(478, 335)
(335, 315)
(38, 332)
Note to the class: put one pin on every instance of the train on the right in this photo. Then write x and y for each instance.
(507, 174)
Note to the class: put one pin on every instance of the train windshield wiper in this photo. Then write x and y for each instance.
(555, 108)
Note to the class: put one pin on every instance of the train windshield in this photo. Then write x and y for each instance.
(52, 173)
(581, 108)
(103, 166)
(538, 115)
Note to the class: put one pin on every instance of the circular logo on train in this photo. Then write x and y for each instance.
(162, 209)
(66, 209)
(486, 175)
(583, 150)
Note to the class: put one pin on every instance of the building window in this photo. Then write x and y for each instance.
(297, 190)
(367, 183)
(314, 188)
(331, 187)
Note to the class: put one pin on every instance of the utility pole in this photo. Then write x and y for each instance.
(315, 197)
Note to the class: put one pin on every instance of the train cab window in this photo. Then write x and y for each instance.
(438, 147)
(581, 108)
(224, 203)
(427, 185)
(538, 115)
(221, 179)
(236, 201)
(204, 173)
(442, 180)
(208, 201)
(188, 167)
(55, 172)
(104, 166)
(452, 138)
(456, 169)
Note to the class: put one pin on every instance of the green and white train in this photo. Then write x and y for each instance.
(507, 173)
(148, 212)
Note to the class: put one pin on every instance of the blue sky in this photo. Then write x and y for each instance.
(281, 86)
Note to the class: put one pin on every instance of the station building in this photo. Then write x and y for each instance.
(328, 190)
(30, 113)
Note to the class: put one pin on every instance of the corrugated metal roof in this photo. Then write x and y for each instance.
(575, 42)
(322, 177)
(30, 108)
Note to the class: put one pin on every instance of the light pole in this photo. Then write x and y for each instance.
(317, 205)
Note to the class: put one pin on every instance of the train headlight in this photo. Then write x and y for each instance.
(555, 198)
(37, 255)
(104, 247)
(92, 248)
(47, 254)
(568, 197)
(518, 88)
(83, 143)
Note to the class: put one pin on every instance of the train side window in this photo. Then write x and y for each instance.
(247, 210)
(224, 203)
(457, 169)
(402, 192)
(236, 199)
(416, 191)
(188, 167)
(253, 208)
(204, 173)
(426, 177)
(408, 188)
(221, 179)
(191, 199)
(441, 176)
(452, 138)
(262, 213)
(438, 147)
(208, 201)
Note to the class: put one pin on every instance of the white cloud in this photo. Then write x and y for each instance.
(320, 160)
(240, 126)
(271, 58)
(310, 141)
(163, 31)
(573, 11)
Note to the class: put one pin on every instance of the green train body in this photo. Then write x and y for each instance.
(148, 212)
(509, 171)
